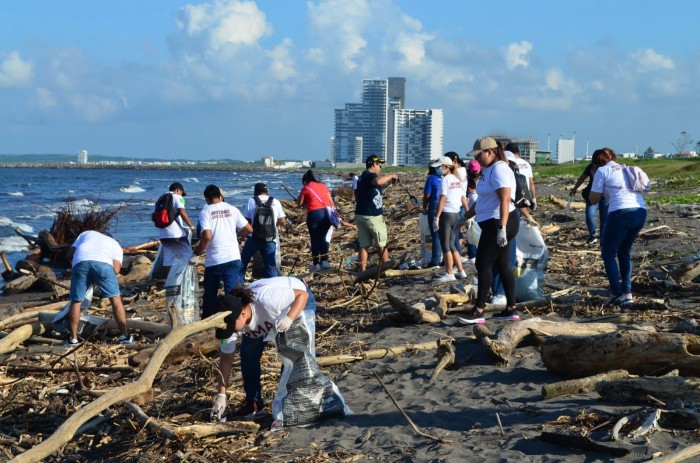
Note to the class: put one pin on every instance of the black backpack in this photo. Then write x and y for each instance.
(264, 228)
(165, 213)
(522, 191)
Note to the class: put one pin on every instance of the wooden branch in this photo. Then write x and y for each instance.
(30, 315)
(202, 343)
(681, 455)
(413, 313)
(13, 340)
(66, 431)
(580, 385)
(687, 272)
(109, 323)
(636, 390)
(652, 230)
(198, 431)
(148, 420)
(445, 354)
(575, 205)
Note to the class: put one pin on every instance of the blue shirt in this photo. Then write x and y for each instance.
(432, 188)
(368, 196)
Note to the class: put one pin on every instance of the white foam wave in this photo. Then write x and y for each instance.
(83, 205)
(15, 193)
(13, 244)
(23, 227)
(131, 189)
(191, 180)
(36, 216)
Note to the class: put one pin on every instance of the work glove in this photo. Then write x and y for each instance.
(469, 223)
(501, 238)
(530, 221)
(193, 260)
(572, 192)
(534, 204)
(283, 324)
(436, 225)
(219, 408)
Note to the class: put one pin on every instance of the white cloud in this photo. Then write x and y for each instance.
(93, 108)
(315, 55)
(282, 66)
(44, 98)
(517, 54)
(648, 61)
(14, 71)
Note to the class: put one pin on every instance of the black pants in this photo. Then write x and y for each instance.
(489, 253)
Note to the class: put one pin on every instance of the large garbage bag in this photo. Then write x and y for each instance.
(304, 394)
(426, 241)
(182, 289)
(531, 257)
(87, 323)
(473, 232)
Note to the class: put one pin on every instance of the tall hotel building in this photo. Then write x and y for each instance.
(380, 125)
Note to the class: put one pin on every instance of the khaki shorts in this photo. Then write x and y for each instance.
(372, 230)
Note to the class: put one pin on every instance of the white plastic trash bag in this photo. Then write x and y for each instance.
(531, 257)
(473, 232)
(426, 241)
(182, 289)
(60, 320)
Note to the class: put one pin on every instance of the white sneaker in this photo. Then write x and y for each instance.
(499, 300)
(447, 277)
(462, 275)
(325, 264)
(471, 260)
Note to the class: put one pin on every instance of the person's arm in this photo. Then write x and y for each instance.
(533, 190)
(204, 240)
(441, 206)
(245, 231)
(426, 198)
(579, 181)
(384, 179)
(300, 299)
(504, 200)
(117, 265)
(300, 200)
(70, 253)
(225, 366)
(594, 198)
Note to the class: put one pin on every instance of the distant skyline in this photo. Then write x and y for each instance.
(241, 80)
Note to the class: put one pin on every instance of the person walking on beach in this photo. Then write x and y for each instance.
(315, 196)
(369, 210)
(219, 223)
(96, 259)
(473, 174)
(452, 196)
(174, 239)
(353, 178)
(460, 171)
(601, 207)
(265, 223)
(627, 213)
(431, 198)
(497, 217)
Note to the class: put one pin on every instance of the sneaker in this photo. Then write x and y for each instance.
(433, 265)
(126, 340)
(612, 301)
(474, 316)
(446, 278)
(471, 260)
(249, 410)
(592, 240)
(499, 300)
(624, 299)
(324, 265)
(313, 268)
(462, 275)
(71, 342)
(507, 315)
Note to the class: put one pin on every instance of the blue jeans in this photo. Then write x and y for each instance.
(252, 350)
(228, 272)
(621, 229)
(268, 251)
(318, 225)
(436, 257)
(591, 209)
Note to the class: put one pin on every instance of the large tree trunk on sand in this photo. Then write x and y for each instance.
(639, 352)
(507, 338)
(67, 430)
(415, 313)
(580, 385)
(637, 390)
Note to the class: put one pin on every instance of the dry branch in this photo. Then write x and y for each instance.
(580, 385)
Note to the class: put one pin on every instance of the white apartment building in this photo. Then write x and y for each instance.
(564, 152)
(418, 137)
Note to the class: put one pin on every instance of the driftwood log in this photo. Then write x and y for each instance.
(501, 345)
(575, 205)
(415, 313)
(199, 344)
(687, 272)
(67, 430)
(580, 385)
(638, 390)
(639, 352)
(445, 354)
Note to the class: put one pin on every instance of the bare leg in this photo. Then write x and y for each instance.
(457, 257)
(448, 262)
(385, 254)
(363, 259)
(119, 314)
(74, 319)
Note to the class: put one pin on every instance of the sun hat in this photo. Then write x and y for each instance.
(442, 161)
(481, 144)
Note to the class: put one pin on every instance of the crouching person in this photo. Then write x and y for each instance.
(280, 310)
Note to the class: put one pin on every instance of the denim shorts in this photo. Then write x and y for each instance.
(89, 272)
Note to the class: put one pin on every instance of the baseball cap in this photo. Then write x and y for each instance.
(372, 159)
(224, 304)
(510, 156)
(259, 188)
(442, 161)
(481, 144)
(177, 186)
(474, 166)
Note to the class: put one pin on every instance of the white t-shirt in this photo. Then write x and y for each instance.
(355, 178)
(610, 181)
(251, 207)
(463, 177)
(92, 245)
(273, 299)
(471, 198)
(223, 220)
(524, 168)
(451, 188)
(175, 229)
(497, 175)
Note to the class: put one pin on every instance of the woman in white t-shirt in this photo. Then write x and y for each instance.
(496, 215)
(452, 197)
(627, 213)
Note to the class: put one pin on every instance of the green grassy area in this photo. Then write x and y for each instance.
(668, 169)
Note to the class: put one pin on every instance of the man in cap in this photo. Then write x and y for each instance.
(258, 241)
(220, 223)
(369, 209)
(174, 238)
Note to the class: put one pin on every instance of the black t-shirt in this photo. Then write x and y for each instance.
(589, 172)
(368, 196)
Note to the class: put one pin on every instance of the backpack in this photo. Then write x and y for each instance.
(637, 179)
(522, 191)
(264, 228)
(165, 212)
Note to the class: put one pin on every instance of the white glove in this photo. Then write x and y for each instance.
(219, 408)
(501, 238)
(534, 204)
(470, 223)
(283, 324)
(436, 225)
(532, 222)
(193, 260)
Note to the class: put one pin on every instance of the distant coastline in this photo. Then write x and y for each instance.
(145, 166)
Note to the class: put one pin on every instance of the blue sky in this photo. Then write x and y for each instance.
(237, 79)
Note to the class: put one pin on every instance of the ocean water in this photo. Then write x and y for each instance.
(30, 197)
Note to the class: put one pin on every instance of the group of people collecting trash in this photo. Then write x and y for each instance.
(492, 189)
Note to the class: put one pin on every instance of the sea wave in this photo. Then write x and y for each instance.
(190, 180)
(13, 193)
(83, 205)
(13, 244)
(131, 189)
(23, 227)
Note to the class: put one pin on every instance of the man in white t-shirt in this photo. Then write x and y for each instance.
(266, 245)
(173, 238)
(524, 168)
(220, 223)
(96, 259)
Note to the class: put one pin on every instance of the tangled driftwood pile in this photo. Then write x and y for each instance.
(150, 402)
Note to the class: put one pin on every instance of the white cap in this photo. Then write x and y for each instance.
(510, 156)
(442, 161)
